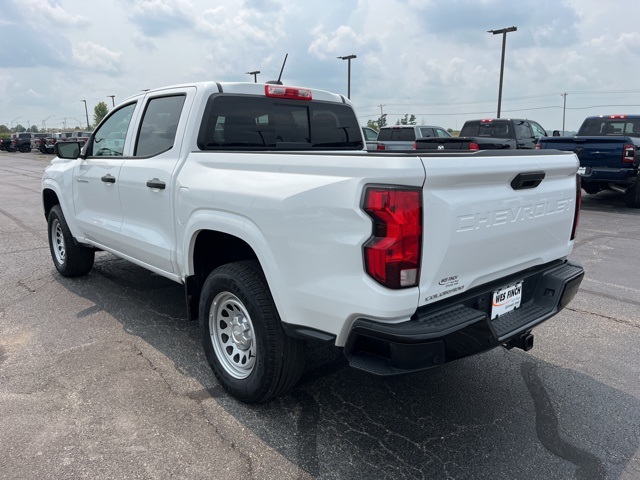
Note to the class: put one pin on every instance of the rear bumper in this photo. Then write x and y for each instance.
(443, 332)
(608, 175)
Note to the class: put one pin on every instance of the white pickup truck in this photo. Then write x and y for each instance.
(262, 201)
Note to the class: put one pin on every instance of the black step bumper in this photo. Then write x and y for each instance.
(459, 327)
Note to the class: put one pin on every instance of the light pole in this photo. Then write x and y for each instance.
(504, 32)
(113, 100)
(348, 58)
(255, 75)
(86, 112)
(44, 122)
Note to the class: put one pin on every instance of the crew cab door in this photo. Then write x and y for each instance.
(146, 185)
(95, 178)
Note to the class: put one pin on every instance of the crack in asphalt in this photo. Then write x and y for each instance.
(588, 466)
(617, 320)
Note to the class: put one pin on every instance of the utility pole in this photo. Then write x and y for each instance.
(504, 32)
(113, 100)
(348, 58)
(564, 109)
(86, 112)
(381, 109)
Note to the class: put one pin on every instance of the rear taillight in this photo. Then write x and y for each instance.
(381, 146)
(392, 254)
(628, 153)
(415, 145)
(474, 146)
(538, 146)
(576, 215)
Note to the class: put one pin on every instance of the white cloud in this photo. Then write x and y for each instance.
(90, 56)
(431, 58)
(43, 12)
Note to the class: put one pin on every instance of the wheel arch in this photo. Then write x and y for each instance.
(210, 249)
(49, 200)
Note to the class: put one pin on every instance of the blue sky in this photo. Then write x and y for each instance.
(431, 58)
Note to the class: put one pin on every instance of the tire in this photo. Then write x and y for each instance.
(25, 148)
(70, 259)
(250, 354)
(632, 195)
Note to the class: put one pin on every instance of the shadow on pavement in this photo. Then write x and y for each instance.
(498, 415)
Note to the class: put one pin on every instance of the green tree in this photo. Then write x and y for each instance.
(33, 128)
(99, 112)
(407, 120)
(4, 129)
(379, 123)
(19, 128)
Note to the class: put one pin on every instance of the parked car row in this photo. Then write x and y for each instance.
(27, 141)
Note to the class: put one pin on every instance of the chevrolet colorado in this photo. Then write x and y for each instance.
(263, 202)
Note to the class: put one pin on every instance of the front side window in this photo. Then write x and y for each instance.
(159, 125)
(440, 133)
(108, 140)
(523, 130)
(538, 131)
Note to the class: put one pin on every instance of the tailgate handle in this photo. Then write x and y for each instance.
(527, 180)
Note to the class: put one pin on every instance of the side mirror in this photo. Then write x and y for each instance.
(556, 133)
(67, 150)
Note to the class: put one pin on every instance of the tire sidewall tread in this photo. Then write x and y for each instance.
(79, 259)
(280, 358)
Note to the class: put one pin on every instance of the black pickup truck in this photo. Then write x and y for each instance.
(607, 147)
(488, 134)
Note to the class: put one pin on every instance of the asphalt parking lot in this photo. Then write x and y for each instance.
(102, 377)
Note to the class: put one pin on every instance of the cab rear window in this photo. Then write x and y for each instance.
(237, 122)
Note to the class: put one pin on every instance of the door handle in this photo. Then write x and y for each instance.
(108, 178)
(156, 183)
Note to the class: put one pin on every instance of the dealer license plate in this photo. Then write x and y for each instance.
(582, 170)
(506, 299)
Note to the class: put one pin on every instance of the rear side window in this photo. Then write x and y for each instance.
(159, 125)
(234, 122)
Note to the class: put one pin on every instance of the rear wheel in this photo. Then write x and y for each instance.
(249, 352)
(70, 259)
(25, 148)
(632, 195)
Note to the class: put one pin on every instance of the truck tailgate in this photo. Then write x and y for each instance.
(592, 151)
(481, 223)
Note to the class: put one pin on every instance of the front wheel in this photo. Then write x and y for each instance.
(70, 259)
(249, 352)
